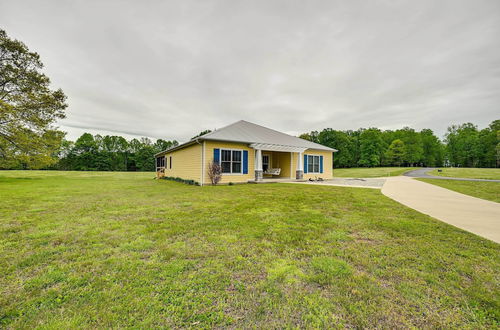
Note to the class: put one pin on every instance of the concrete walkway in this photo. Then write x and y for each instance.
(375, 183)
(476, 215)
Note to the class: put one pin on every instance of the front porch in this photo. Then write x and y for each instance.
(277, 180)
(277, 163)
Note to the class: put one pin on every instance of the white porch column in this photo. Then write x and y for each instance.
(299, 174)
(258, 165)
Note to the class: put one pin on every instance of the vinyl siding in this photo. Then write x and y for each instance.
(186, 163)
(327, 164)
(226, 178)
(280, 160)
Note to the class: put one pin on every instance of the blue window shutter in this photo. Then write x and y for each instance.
(217, 156)
(245, 162)
(320, 164)
(305, 163)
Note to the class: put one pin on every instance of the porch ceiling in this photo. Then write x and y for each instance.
(277, 147)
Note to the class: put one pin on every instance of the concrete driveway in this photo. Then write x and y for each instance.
(375, 183)
(473, 214)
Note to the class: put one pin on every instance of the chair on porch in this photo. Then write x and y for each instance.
(273, 171)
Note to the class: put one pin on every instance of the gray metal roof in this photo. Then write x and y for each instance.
(245, 132)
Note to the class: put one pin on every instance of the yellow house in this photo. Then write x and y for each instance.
(247, 152)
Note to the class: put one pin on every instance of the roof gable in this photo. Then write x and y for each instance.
(244, 131)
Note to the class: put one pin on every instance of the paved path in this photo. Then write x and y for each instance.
(375, 183)
(422, 173)
(473, 214)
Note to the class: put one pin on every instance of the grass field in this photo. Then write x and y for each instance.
(123, 250)
(370, 172)
(484, 190)
(472, 173)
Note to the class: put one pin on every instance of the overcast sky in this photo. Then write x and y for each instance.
(169, 69)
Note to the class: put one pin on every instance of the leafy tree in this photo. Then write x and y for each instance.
(342, 141)
(85, 151)
(312, 136)
(396, 152)
(28, 108)
(489, 141)
(144, 157)
(201, 133)
(110, 153)
(413, 145)
(463, 145)
(371, 147)
(162, 145)
(432, 149)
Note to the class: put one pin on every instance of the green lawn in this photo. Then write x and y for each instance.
(123, 250)
(484, 190)
(370, 172)
(472, 173)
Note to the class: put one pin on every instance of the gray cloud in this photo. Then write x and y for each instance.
(168, 69)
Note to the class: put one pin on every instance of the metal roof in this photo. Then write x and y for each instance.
(245, 132)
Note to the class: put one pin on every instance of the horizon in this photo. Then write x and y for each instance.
(159, 69)
(130, 137)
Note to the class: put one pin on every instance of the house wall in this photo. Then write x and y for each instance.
(282, 160)
(327, 164)
(186, 163)
(226, 178)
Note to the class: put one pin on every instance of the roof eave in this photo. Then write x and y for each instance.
(320, 146)
(180, 146)
(203, 138)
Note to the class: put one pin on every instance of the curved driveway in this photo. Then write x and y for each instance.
(422, 173)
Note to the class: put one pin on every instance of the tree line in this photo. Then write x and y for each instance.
(109, 153)
(29, 139)
(463, 146)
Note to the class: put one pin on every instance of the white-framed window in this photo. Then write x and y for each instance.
(231, 161)
(265, 162)
(313, 164)
(160, 161)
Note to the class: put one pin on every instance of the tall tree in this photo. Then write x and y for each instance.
(413, 145)
(161, 145)
(462, 145)
(312, 136)
(86, 153)
(28, 108)
(371, 147)
(144, 154)
(489, 139)
(432, 148)
(344, 143)
(396, 152)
